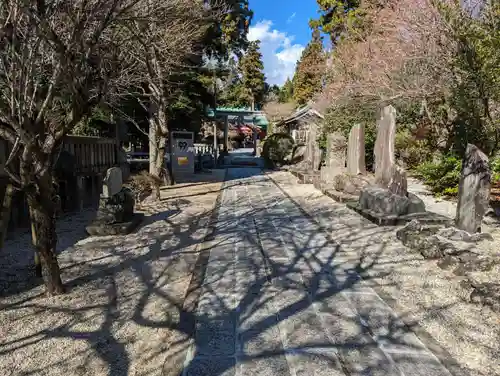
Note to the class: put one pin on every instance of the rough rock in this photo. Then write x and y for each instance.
(115, 209)
(424, 240)
(487, 294)
(473, 190)
(115, 215)
(469, 262)
(350, 184)
(456, 234)
(382, 201)
(492, 217)
(398, 184)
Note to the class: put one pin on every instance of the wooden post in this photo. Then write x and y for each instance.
(215, 144)
(80, 192)
(5, 215)
(226, 133)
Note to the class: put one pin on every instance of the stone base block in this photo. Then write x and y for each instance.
(352, 184)
(304, 177)
(398, 220)
(341, 197)
(97, 228)
(384, 202)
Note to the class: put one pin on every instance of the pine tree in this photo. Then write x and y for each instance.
(337, 16)
(309, 70)
(286, 92)
(253, 80)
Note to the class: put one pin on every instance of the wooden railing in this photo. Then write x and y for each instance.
(93, 155)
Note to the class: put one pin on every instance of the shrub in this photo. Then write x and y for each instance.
(277, 147)
(495, 170)
(410, 151)
(143, 185)
(441, 176)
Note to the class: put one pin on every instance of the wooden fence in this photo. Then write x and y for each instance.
(90, 159)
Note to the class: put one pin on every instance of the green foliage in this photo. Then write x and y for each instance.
(495, 170)
(441, 176)
(230, 35)
(277, 147)
(190, 96)
(253, 80)
(343, 115)
(338, 16)
(286, 92)
(97, 124)
(475, 88)
(309, 70)
(411, 151)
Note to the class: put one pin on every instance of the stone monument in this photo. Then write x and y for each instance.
(473, 190)
(388, 201)
(335, 157)
(348, 185)
(307, 171)
(115, 215)
(384, 146)
(313, 152)
(356, 164)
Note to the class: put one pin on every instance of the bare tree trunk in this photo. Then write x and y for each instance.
(44, 222)
(41, 201)
(38, 264)
(5, 215)
(158, 143)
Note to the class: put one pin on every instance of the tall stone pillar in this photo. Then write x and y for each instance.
(356, 164)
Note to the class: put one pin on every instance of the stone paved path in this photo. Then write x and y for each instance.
(280, 298)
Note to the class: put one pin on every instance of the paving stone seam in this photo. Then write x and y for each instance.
(338, 358)
(291, 369)
(211, 228)
(325, 230)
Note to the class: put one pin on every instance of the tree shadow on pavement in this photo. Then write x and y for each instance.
(253, 282)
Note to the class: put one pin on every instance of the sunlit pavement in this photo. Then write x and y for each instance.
(280, 298)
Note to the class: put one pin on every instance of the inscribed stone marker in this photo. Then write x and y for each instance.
(335, 157)
(399, 183)
(473, 190)
(313, 152)
(113, 182)
(356, 151)
(384, 146)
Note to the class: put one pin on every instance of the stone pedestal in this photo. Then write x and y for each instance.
(115, 215)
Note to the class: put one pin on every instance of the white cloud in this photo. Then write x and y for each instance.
(280, 55)
(290, 19)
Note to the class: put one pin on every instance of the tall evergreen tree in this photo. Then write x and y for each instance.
(309, 70)
(336, 16)
(286, 92)
(253, 80)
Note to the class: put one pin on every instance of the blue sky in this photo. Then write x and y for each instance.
(282, 27)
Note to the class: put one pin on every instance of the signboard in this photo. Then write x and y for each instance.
(183, 155)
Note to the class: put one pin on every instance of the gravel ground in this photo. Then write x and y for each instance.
(426, 296)
(124, 309)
